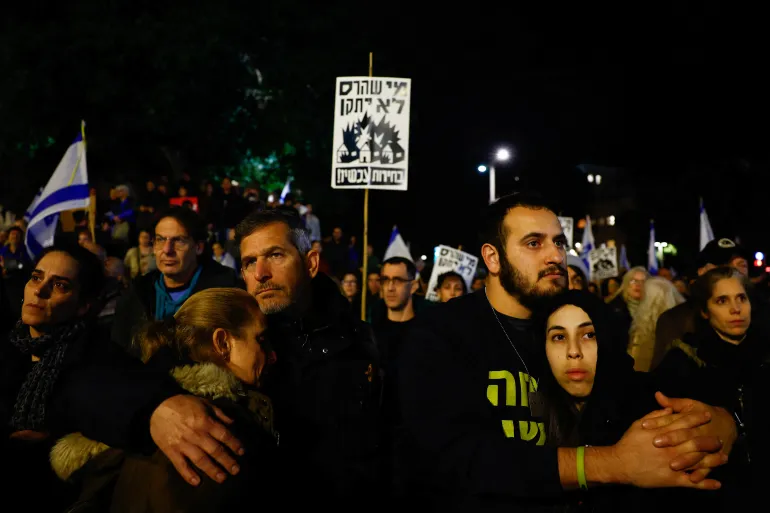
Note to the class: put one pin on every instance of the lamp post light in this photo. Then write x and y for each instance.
(501, 155)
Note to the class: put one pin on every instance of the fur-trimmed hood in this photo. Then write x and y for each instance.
(205, 380)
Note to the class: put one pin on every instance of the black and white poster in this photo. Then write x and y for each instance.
(371, 133)
(568, 227)
(447, 259)
(604, 263)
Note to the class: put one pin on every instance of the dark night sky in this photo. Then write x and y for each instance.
(676, 97)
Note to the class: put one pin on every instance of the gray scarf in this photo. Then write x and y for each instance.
(29, 412)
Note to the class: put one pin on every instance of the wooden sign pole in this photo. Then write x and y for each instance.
(364, 253)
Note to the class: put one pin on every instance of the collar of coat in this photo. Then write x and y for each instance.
(207, 380)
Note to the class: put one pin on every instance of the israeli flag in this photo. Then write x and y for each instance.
(286, 189)
(397, 247)
(587, 245)
(652, 257)
(624, 263)
(66, 190)
(706, 233)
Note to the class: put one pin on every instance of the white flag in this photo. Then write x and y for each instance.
(706, 233)
(652, 257)
(397, 247)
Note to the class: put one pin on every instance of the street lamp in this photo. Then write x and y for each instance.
(501, 155)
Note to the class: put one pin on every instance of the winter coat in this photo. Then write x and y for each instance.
(117, 481)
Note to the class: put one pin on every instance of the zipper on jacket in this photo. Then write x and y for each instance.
(741, 425)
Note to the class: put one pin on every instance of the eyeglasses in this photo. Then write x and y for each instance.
(398, 282)
(178, 243)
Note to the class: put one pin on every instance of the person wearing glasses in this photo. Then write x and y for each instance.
(182, 270)
(398, 285)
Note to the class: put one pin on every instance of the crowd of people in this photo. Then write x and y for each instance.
(210, 355)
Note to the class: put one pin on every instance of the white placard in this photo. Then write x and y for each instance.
(447, 259)
(371, 133)
(604, 263)
(568, 226)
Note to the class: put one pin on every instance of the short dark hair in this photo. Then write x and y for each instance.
(189, 219)
(493, 229)
(703, 287)
(411, 270)
(256, 220)
(15, 229)
(90, 269)
(451, 274)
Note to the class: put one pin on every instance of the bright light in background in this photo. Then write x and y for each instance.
(611, 220)
(482, 169)
(590, 178)
(270, 198)
(235, 183)
(759, 255)
(502, 155)
(573, 252)
(424, 257)
(578, 245)
(661, 244)
(598, 179)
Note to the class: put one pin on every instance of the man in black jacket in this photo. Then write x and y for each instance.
(469, 378)
(324, 383)
(182, 271)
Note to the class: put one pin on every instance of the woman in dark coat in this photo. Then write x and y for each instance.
(39, 360)
(214, 347)
(726, 362)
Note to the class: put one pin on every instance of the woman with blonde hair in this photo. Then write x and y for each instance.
(659, 295)
(626, 300)
(214, 348)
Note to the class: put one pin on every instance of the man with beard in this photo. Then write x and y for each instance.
(324, 382)
(471, 412)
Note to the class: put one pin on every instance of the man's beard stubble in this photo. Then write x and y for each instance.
(290, 297)
(516, 284)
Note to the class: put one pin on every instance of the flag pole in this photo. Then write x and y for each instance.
(364, 253)
(91, 210)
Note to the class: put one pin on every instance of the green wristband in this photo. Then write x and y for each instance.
(581, 467)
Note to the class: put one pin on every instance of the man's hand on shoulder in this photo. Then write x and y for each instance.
(183, 429)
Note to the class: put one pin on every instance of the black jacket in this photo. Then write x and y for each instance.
(137, 306)
(473, 442)
(704, 367)
(100, 392)
(325, 388)
(622, 320)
